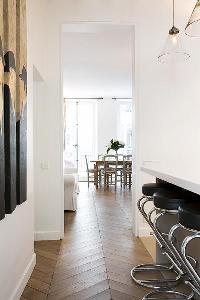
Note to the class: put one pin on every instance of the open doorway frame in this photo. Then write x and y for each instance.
(135, 91)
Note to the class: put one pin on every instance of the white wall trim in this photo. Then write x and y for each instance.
(16, 295)
(47, 235)
(144, 230)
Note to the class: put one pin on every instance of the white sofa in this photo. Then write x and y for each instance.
(71, 190)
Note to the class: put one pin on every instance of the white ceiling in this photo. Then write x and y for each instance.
(97, 60)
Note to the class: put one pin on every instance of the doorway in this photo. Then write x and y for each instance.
(97, 67)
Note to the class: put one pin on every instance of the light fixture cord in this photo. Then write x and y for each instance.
(173, 13)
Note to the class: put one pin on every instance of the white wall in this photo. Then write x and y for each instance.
(167, 98)
(48, 133)
(48, 184)
(167, 106)
(17, 257)
(47, 223)
(97, 60)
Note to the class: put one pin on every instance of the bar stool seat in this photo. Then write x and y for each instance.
(170, 199)
(189, 215)
(149, 189)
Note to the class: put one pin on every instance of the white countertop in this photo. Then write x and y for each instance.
(184, 175)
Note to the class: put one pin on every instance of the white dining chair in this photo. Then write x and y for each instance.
(127, 170)
(91, 172)
(110, 170)
(100, 157)
(120, 167)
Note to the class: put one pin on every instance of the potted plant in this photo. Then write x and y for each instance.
(115, 145)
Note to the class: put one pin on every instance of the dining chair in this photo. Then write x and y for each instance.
(120, 167)
(127, 170)
(90, 173)
(110, 170)
(100, 157)
(120, 156)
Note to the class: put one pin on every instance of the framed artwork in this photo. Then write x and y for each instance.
(21, 103)
(2, 170)
(9, 19)
(13, 99)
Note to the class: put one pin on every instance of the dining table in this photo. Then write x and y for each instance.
(98, 164)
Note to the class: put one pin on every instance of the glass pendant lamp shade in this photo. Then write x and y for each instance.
(193, 27)
(173, 51)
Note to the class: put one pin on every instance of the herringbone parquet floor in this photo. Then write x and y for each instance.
(96, 255)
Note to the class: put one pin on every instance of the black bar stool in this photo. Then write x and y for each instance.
(167, 199)
(189, 219)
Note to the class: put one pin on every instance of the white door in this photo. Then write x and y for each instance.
(71, 137)
(80, 135)
(86, 135)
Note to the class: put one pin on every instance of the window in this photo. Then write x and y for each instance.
(79, 134)
(124, 125)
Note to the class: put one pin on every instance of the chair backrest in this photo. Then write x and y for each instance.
(100, 157)
(113, 159)
(127, 161)
(110, 157)
(120, 156)
(86, 161)
(127, 157)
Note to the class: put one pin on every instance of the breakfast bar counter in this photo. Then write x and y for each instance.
(185, 177)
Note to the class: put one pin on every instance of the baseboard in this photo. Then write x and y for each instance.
(47, 235)
(16, 295)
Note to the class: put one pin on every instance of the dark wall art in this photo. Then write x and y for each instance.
(2, 164)
(13, 96)
(21, 107)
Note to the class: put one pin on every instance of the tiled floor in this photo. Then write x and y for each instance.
(95, 258)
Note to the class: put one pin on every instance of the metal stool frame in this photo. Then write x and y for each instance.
(153, 295)
(165, 248)
(191, 278)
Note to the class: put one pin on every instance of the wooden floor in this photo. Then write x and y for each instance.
(150, 244)
(95, 258)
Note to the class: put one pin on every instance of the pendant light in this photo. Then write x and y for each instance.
(173, 51)
(193, 27)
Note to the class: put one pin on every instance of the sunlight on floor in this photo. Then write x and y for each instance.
(150, 244)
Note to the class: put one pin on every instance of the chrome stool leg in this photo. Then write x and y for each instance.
(181, 257)
(192, 279)
(189, 219)
(156, 283)
(162, 294)
(192, 272)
